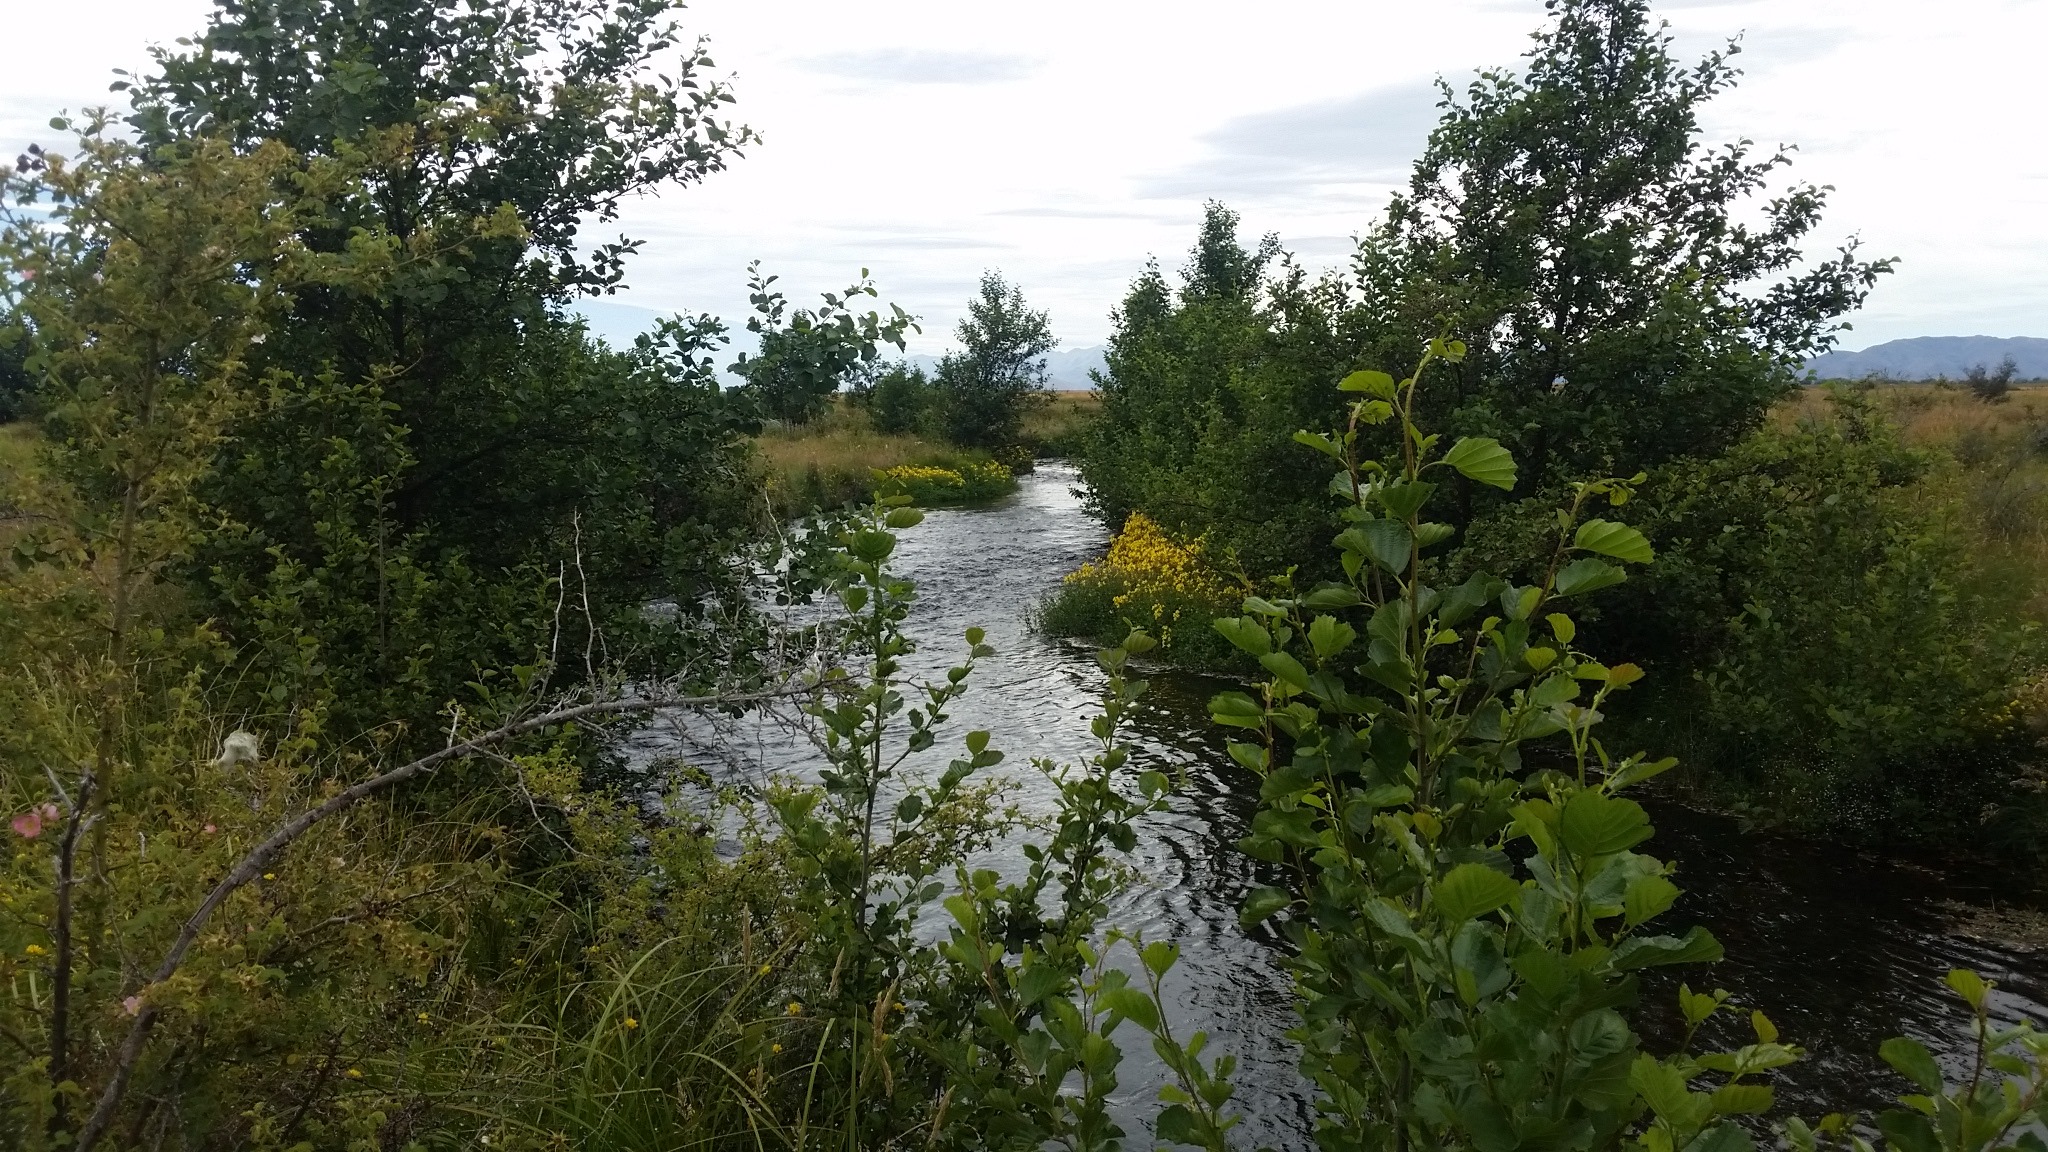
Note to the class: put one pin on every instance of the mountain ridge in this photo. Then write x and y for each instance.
(1933, 357)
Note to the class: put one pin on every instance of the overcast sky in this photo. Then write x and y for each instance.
(1065, 141)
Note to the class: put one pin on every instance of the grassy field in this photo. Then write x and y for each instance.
(832, 461)
(2000, 451)
(1054, 428)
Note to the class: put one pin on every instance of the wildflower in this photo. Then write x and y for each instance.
(631, 1023)
(36, 950)
(765, 969)
(29, 824)
(423, 1017)
(209, 829)
(775, 1048)
(794, 1008)
(354, 1073)
(270, 875)
(132, 1005)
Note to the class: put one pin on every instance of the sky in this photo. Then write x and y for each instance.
(1065, 142)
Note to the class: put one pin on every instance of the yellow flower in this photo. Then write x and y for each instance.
(765, 969)
(775, 1047)
(354, 1073)
(423, 1017)
(794, 1008)
(270, 875)
(35, 950)
(631, 1023)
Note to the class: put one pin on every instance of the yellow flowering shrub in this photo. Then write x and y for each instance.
(962, 482)
(1148, 579)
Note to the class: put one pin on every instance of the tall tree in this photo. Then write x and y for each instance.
(440, 448)
(1627, 296)
(807, 355)
(983, 388)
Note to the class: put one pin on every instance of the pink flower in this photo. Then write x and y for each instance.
(29, 824)
(132, 1005)
(209, 829)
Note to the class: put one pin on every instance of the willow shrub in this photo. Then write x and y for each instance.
(1468, 907)
(1835, 659)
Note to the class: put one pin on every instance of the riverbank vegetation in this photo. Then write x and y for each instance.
(344, 568)
(1843, 617)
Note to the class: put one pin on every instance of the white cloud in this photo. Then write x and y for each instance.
(1065, 141)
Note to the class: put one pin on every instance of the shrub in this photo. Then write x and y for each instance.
(1993, 386)
(900, 399)
(1834, 662)
(965, 482)
(1147, 580)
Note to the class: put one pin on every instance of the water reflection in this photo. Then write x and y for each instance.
(1840, 950)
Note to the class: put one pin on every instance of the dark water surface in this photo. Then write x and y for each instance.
(1841, 950)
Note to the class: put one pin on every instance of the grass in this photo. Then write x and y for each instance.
(2000, 450)
(831, 461)
(1054, 429)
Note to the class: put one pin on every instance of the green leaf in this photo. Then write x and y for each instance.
(1159, 956)
(1611, 539)
(1482, 459)
(910, 807)
(903, 518)
(1037, 982)
(1698, 947)
(1647, 897)
(1329, 636)
(1594, 824)
(1176, 1125)
(1967, 984)
(1134, 1006)
(1724, 1138)
(1404, 499)
(1742, 1099)
(1587, 575)
(1286, 667)
(1244, 633)
(1236, 710)
(1911, 1059)
(1908, 1132)
(1263, 903)
(1330, 596)
(1472, 890)
(1375, 384)
(1320, 443)
(1388, 543)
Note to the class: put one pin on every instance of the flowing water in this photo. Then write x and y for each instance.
(1841, 950)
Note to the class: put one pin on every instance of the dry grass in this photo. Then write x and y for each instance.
(831, 461)
(2001, 454)
(1054, 427)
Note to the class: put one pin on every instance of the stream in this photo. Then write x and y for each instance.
(1840, 949)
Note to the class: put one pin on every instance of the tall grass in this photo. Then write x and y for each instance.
(832, 461)
(2001, 451)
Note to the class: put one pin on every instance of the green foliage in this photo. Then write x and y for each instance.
(804, 359)
(1569, 216)
(438, 446)
(1205, 388)
(1815, 594)
(1469, 912)
(899, 399)
(982, 390)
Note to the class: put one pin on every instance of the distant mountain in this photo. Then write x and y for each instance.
(1066, 370)
(1926, 357)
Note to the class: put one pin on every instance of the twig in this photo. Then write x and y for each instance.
(60, 936)
(253, 863)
